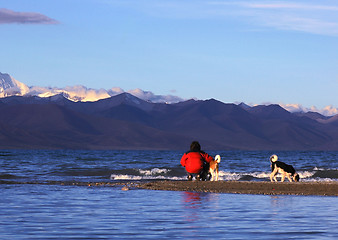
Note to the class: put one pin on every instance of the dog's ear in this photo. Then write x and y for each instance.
(218, 158)
(296, 177)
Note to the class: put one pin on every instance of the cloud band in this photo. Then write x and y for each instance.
(9, 17)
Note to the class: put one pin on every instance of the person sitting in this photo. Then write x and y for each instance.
(196, 162)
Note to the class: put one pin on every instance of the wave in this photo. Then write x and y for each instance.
(331, 174)
(145, 174)
(167, 173)
(177, 174)
(8, 176)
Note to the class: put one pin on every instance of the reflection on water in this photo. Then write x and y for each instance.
(192, 199)
(47, 211)
(279, 201)
(191, 202)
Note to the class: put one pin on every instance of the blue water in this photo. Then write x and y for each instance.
(31, 208)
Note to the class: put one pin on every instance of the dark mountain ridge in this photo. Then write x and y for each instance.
(127, 122)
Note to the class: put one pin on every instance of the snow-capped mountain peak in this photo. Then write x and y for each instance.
(9, 86)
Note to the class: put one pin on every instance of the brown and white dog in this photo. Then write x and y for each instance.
(213, 168)
(283, 168)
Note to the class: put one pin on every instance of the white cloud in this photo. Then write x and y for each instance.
(295, 107)
(329, 111)
(316, 17)
(288, 5)
(149, 96)
(310, 18)
(115, 91)
(10, 86)
(326, 111)
(74, 93)
(8, 16)
(84, 94)
(287, 15)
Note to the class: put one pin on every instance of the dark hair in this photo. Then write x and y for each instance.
(195, 146)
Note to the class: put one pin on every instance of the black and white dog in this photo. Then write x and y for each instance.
(283, 168)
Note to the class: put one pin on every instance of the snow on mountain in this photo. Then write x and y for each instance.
(10, 86)
(327, 111)
(74, 93)
(297, 108)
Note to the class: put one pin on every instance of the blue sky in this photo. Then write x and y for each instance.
(251, 51)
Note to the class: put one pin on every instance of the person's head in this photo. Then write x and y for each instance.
(195, 146)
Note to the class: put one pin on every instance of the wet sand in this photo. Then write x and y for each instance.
(244, 187)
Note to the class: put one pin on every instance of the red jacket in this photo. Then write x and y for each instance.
(193, 161)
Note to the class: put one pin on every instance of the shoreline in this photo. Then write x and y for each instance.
(246, 187)
(238, 187)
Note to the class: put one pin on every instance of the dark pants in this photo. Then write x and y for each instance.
(203, 175)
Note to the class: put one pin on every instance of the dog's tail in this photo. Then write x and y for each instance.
(218, 158)
(273, 158)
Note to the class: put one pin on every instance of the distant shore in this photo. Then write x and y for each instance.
(245, 187)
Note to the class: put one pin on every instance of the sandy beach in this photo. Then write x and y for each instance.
(245, 187)
(241, 187)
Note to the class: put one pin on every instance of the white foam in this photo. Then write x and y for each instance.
(145, 177)
(233, 176)
(319, 180)
(154, 171)
(305, 174)
(261, 174)
(162, 174)
(324, 169)
(228, 176)
(124, 177)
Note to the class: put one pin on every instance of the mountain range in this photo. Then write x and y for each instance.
(50, 118)
(127, 122)
(12, 87)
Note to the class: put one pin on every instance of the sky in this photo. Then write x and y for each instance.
(257, 52)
